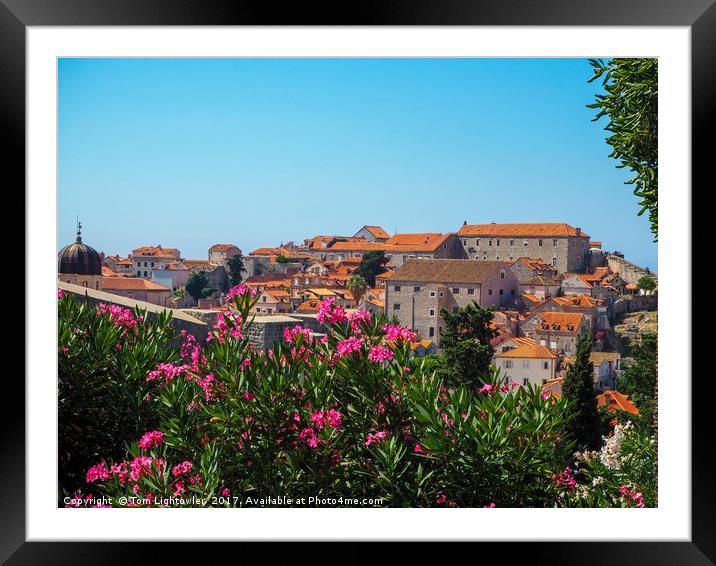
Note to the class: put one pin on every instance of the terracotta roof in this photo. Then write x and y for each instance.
(447, 270)
(546, 229)
(131, 284)
(542, 280)
(198, 264)
(107, 272)
(154, 250)
(528, 351)
(222, 247)
(310, 305)
(616, 401)
(577, 301)
(531, 298)
(599, 357)
(385, 275)
(377, 231)
(419, 242)
(562, 319)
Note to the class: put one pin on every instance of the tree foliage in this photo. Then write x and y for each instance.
(196, 284)
(638, 380)
(372, 264)
(646, 282)
(630, 105)
(357, 285)
(578, 390)
(236, 268)
(465, 344)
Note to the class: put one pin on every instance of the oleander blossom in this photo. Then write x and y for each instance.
(98, 472)
(120, 316)
(349, 346)
(167, 372)
(149, 439)
(331, 313)
(380, 354)
(240, 291)
(308, 435)
(331, 418)
(631, 496)
(372, 438)
(397, 332)
(611, 450)
(290, 334)
(182, 469)
(565, 479)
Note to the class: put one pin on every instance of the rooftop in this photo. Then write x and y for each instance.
(546, 229)
(447, 270)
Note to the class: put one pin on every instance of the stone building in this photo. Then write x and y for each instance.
(558, 331)
(372, 234)
(80, 264)
(220, 254)
(419, 289)
(525, 364)
(146, 258)
(138, 288)
(118, 264)
(558, 244)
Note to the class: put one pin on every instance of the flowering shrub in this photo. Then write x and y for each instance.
(104, 355)
(351, 414)
(620, 474)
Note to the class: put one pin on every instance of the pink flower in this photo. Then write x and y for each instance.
(120, 317)
(490, 506)
(380, 354)
(240, 291)
(331, 313)
(97, 472)
(376, 437)
(248, 396)
(544, 395)
(334, 418)
(565, 479)
(349, 345)
(183, 468)
(60, 293)
(224, 491)
(290, 334)
(166, 371)
(308, 435)
(397, 332)
(487, 388)
(153, 438)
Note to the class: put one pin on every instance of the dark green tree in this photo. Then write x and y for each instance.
(630, 104)
(638, 380)
(195, 285)
(358, 286)
(372, 264)
(578, 390)
(236, 268)
(646, 282)
(465, 344)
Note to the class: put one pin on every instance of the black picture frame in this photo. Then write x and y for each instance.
(16, 15)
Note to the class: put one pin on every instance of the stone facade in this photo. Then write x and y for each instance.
(556, 331)
(145, 259)
(417, 292)
(558, 245)
(220, 254)
(88, 281)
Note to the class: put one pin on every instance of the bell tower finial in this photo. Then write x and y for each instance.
(79, 230)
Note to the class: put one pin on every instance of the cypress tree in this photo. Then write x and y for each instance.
(578, 389)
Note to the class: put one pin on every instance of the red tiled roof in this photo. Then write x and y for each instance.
(528, 351)
(616, 401)
(222, 247)
(546, 229)
(377, 231)
(131, 284)
(562, 318)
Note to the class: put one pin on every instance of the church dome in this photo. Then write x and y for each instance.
(79, 258)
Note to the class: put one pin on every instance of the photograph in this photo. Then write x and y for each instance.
(357, 282)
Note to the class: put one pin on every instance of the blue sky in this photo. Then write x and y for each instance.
(187, 153)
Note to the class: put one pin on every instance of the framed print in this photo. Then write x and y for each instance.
(389, 279)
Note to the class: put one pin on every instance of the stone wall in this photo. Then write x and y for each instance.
(633, 303)
(630, 272)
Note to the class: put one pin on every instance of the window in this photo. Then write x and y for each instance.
(396, 306)
(489, 291)
(554, 262)
(416, 289)
(512, 243)
(553, 344)
(498, 243)
(539, 243)
(455, 291)
(525, 364)
(502, 291)
(545, 365)
(432, 312)
(431, 331)
(477, 241)
(432, 293)
(497, 258)
(525, 381)
(442, 294)
(508, 364)
(524, 243)
(554, 243)
(464, 242)
(489, 242)
(396, 288)
(471, 291)
(502, 274)
(542, 343)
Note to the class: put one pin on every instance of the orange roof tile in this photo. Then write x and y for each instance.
(131, 284)
(546, 229)
(528, 351)
(310, 305)
(616, 401)
(377, 231)
(562, 318)
(221, 247)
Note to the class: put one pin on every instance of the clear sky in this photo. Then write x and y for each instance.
(187, 153)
